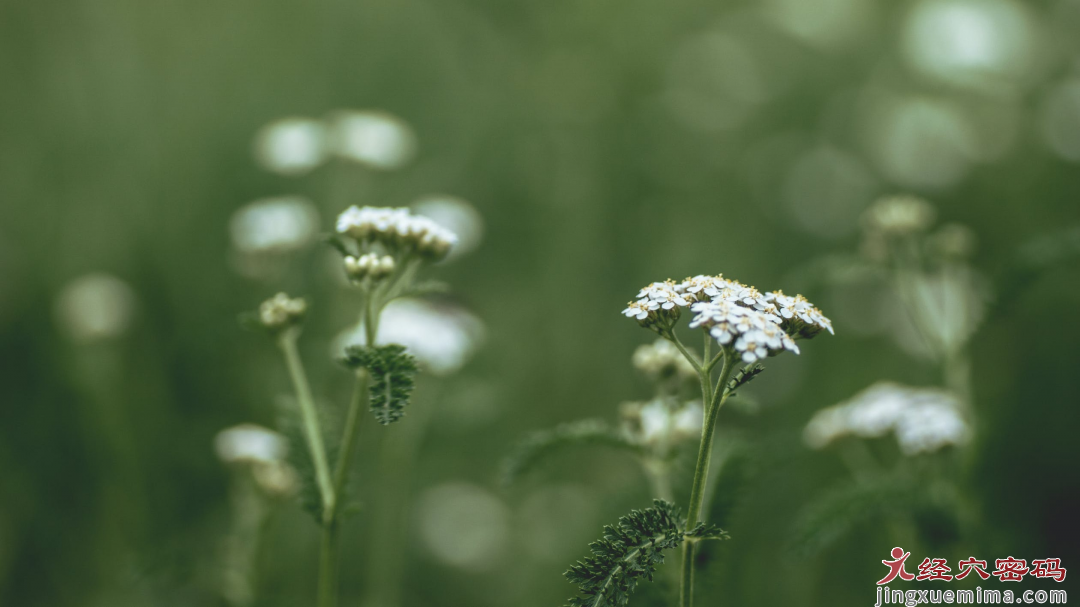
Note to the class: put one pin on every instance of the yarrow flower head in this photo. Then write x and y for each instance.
(397, 230)
(754, 324)
(923, 419)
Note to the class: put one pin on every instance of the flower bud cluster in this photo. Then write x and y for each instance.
(755, 324)
(397, 230)
(370, 264)
(923, 419)
(281, 311)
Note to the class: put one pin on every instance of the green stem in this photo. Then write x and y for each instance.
(310, 418)
(327, 595)
(701, 470)
(694, 362)
(348, 439)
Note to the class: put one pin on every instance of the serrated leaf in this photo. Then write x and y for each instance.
(542, 443)
(392, 373)
(628, 552)
(706, 531)
(744, 376)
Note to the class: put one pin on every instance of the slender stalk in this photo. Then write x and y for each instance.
(327, 593)
(310, 418)
(714, 400)
(694, 362)
(348, 440)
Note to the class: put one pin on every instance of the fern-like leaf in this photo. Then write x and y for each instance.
(392, 373)
(744, 376)
(540, 444)
(630, 551)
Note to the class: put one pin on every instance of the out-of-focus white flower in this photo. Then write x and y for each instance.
(282, 311)
(274, 225)
(250, 444)
(970, 43)
(95, 307)
(376, 139)
(457, 216)
(688, 420)
(463, 525)
(659, 423)
(899, 215)
(291, 146)
(929, 426)
(827, 425)
(441, 337)
(397, 229)
(923, 419)
(875, 411)
(277, 479)
(661, 359)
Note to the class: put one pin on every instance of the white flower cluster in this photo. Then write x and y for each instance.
(369, 264)
(755, 324)
(396, 229)
(661, 360)
(281, 311)
(923, 419)
(657, 423)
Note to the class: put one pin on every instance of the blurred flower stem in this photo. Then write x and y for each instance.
(331, 484)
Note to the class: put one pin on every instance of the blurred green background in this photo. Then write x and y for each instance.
(606, 145)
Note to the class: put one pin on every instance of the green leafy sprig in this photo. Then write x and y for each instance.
(392, 373)
(630, 551)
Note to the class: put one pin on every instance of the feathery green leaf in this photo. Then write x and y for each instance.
(542, 443)
(392, 378)
(630, 551)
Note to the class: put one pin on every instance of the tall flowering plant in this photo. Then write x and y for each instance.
(382, 249)
(740, 327)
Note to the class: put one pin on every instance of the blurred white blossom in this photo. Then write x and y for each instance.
(463, 525)
(923, 419)
(375, 139)
(442, 337)
(397, 228)
(250, 443)
(274, 225)
(661, 359)
(95, 307)
(455, 215)
(291, 146)
(660, 423)
(970, 43)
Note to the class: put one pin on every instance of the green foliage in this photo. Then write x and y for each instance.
(743, 376)
(839, 510)
(291, 425)
(339, 244)
(542, 443)
(392, 373)
(631, 550)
